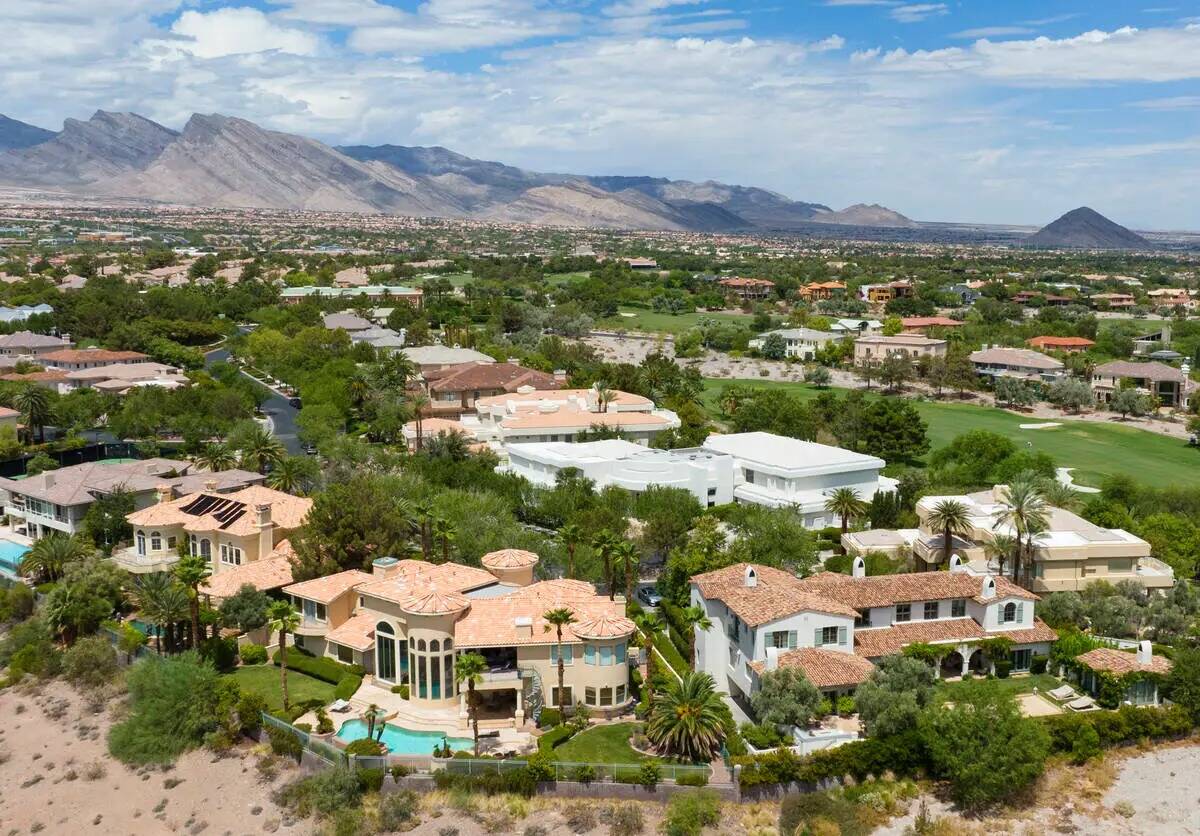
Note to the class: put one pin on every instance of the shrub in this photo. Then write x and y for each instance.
(692, 779)
(1086, 744)
(324, 724)
(90, 662)
(516, 781)
(845, 706)
(1003, 668)
(556, 737)
(333, 789)
(347, 686)
(253, 654)
(580, 818)
(541, 767)
(761, 736)
(585, 773)
(625, 820)
(688, 815)
(402, 690)
(1039, 664)
(649, 775)
(221, 653)
(250, 707)
(398, 811)
(29, 649)
(365, 746)
(284, 743)
(370, 780)
(318, 667)
(550, 717)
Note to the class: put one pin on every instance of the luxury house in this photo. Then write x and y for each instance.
(781, 472)
(1069, 345)
(56, 501)
(876, 349)
(1108, 660)
(1169, 385)
(229, 529)
(530, 415)
(747, 289)
(31, 345)
(800, 343)
(373, 293)
(406, 620)
(997, 361)
(74, 359)
(833, 626)
(454, 390)
(926, 325)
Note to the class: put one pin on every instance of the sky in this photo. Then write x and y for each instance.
(993, 111)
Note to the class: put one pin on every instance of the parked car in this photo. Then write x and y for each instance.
(649, 596)
(294, 403)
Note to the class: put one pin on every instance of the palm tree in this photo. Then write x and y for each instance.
(191, 571)
(443, 530)
(571, 536)
(216, 457)
(1002, 548)
(162, 601)
(50, 555)
(604, 396)
(469, 668)
(1026, 511)
(283, 620)
(418, 402)
(375, 718)
(33, 402)
(651, 624)
(696, 619)
(260, 449)
(605, 543)
(686, 720)
(1060, 495)
(845, 503)
(560, 618)
(358, 389)
(425, 516)
(627, 559)
(950, 517)
(293, 474)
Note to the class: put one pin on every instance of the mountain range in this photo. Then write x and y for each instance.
(1085, 228)
(227, 162)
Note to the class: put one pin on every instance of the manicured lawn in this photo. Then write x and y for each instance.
(1014, 685)
(1094, 449)
(664, 323)
(602, 744)
(566, 278)
(264, 680)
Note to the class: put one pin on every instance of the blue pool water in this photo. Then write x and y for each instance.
(403, 741)
(10, 556)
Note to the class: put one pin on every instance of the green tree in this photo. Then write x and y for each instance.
(1024, 510)
(894, 371)
(1183, 683)
(444, 532)
(246, 609)
(469, 669)
(48, 557)
(294, 475)
(351, 523)
(216, 457)
(571, 537)
(283, 620)
(950, 517)
(1013, 391)
(164, 602)
(786, 698)
(696, 619)
(1131, 402)
(88, 593)
(687, 718)
(191, 571)
(104, 523)
(893, 430)
(847, 505)
(559, 618)
(36, 405)
(258, 448)
(627, 560)
(892, 699)
(667, 514)
(605, 544)
(983, 746)
(40, 463)
(1070, 393)
(774, 347)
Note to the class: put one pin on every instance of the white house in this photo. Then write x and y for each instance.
(833, 626)
(782, 472)
(801, 343)
(706, 474)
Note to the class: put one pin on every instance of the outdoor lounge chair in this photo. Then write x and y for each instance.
(1063, 693)
(340, 706)
(1082, 704)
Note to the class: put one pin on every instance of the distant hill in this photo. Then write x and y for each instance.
(1085, 228)
(14, 134)
(223, 161)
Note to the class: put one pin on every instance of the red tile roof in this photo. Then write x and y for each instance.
(476, 376)
(886, 590)
(1064, 342)
(885, 641)
(1120, 662)
(824, 668)
(775, 594)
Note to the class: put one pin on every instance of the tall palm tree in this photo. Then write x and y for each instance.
(605, 543)
(260, 449)
(845, 503)
(191, 571)
(1061, 495)
(627, 558)
(1023, 508)
(443, 531)
(163, 601)
(950, 517)
(696, 619)
(359, 389)
(418, 402)
(425, 515)
(558, 619)
(604, 396)
(293, 474)
(1002, 547)
(686, 718)
(34, 403)
(216, 457)
(571, 537)
(469, 668)
(283, 620)
(49, 556)
(651, 624)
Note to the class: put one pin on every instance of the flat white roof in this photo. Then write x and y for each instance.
(562, 453)
(790, 456)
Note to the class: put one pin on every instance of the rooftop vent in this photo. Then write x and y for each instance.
(989, 588)
(751, 578)
(1145, 652)
(860, 568)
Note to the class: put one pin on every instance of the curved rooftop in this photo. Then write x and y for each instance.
(435, 603)
(603, 626)
(509, 559)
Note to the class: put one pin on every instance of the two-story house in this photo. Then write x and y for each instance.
(1169, 385)
(530, 415)
(913, 346)
(800, 343)
(833, 627)
(406, 620)
(454, 390)
(998, 361)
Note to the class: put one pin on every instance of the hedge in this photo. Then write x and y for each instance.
(320, 667)
(667, 648)
(556, 737)
(1128, 724)
(347, 686)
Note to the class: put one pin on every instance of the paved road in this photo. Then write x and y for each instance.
(281, 413)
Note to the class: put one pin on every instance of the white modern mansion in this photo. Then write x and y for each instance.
(832, 626)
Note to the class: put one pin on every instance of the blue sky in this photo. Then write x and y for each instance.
(1004, 112)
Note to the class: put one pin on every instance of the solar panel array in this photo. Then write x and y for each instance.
(224, 511)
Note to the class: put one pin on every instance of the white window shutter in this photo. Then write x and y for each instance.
(791, 639)
(817, 637)
(842, 634)
(1020, 613)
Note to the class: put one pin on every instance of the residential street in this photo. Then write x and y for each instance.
(282, 415)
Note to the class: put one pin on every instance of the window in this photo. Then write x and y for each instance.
(205, 549)
(314, 611)
(141, 542)
(829, 635)
(1010, 613)
(570, 697)
(606, 656)
(958, 608)
(589, 656)
(568, 654)
(1021, 659)
(904, 612)
(171, 542)
(621, 653)
(298, 640)
(589, 695)
(193, 548)
(606, 695)
(155, 541)
(231, 555)
(345, 654)
(782, 639)
(1120, 567)
(749, 477)
(932, 609)
(863, 619)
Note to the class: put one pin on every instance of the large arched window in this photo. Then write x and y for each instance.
(385, 652)
(1010, 612)
(141, 542)
(205, 548)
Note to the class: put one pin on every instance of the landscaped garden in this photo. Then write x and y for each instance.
(601, 744)
(1014, 685)
(264, 681)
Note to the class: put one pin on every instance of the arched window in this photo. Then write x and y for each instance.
(384, 627)
(205, 548)
(448, 644)
(141, 542)
(421, 645)
(435, 646)
(194, 548)
(155, 541)
(1010, 612)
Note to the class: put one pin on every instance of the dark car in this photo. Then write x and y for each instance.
(294, 403)
(649, 596)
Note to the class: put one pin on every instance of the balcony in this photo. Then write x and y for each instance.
(141, 564)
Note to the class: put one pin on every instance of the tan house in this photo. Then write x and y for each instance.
(74, 359)
(454, 390)
(29, 344)
(875, 349)
(1171, 386)
(228, 530)
(407, 620)
(530, 415)
(747, 289)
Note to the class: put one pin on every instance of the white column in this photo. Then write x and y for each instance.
(462, 705)
(519, 717)
(965, 652)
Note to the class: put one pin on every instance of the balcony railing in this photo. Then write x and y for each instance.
(129, 560)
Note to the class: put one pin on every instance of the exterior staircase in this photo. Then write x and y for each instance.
(532, 694)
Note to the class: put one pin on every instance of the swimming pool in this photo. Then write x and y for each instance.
(10, 556)
(401, 741)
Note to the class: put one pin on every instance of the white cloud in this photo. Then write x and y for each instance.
(234, 31)
(917, 12)
(440, 26)
(633, 8)
(1170, 103)
(991, 32)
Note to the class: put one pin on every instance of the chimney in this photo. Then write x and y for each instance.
(772, 659)
(266, 539)
(751, 577)
(1145, 653)
(263, 511)
(384, 567)
(164, 493)
(210, 485)
(524, 625)
(49, 479)
(860, 568)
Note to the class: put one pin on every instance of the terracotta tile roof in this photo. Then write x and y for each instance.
(91, 355)
(603, 626)
(930, 321)
(357, 632)
(435, 603)
(1039, 632)
(886, 590)
(776, 594)
(561, 396)
(1020, 357)
(474, 376)
(287, 512)
(509, 559)
(264, 575)
(574, 418)
(36, 377)
(78, 484)
(493, 622)
(744, 282)
(885, 641)
(1149, 371)
(552, 593)
(413, 577)
(824, 668)
(1121, 663)
(328, 589)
